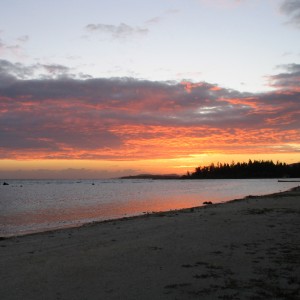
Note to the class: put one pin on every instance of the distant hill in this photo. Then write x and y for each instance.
(152, 176)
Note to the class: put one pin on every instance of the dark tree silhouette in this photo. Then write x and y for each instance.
(252, 169)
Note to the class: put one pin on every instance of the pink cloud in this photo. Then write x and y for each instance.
(125, 118)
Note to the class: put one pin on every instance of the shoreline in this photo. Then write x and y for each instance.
(241, 249)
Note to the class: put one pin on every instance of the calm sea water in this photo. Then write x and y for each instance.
(28, 206)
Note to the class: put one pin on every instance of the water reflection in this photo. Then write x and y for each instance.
(42, 205)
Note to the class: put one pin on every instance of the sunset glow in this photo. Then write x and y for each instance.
(60, 121)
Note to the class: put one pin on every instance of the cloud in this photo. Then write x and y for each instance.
(120, 31)
(11, 71)
(2, 45)
(154, 20)
(289, 80)
(125, 31)
(292, 9)
(55, 69)
(127, 118)
(13, 49)
(159, 19)
(46, 71)
(23, 39)
(8, 49)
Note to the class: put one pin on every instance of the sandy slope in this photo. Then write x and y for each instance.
(248, 249)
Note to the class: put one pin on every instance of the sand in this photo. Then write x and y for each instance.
(244, 249)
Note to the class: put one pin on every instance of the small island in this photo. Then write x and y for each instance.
(153, 176)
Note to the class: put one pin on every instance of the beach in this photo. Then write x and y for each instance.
(243, 249)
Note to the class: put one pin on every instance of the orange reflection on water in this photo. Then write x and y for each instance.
(58, 218)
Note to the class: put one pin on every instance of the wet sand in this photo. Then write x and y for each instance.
(244, 249)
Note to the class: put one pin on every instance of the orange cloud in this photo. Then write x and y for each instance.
(125, 119)
(188, 86)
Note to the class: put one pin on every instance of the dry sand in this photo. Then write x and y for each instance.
(245, 249)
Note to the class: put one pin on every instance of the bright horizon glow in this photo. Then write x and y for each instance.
(97, 169)
(114, 88)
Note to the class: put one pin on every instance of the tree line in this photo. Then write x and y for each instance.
(250, 169)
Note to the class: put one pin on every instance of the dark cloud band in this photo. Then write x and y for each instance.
(292, 9)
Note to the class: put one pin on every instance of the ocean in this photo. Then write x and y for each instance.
(28, 206)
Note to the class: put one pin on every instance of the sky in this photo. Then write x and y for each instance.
(102, 89)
